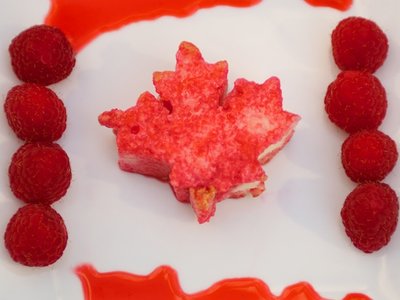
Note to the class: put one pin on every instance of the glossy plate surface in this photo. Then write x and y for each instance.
(122, 221)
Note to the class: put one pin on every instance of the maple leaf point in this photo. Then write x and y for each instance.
(208, 144)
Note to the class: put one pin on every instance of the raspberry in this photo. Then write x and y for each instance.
(36, 236)
(356, 100)
(41, 54)
(359, 44)
(368, 156)
(370, 215)
(35, 113)
(40, 173)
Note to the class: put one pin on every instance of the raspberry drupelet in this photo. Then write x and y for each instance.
(368, 155)
(355, 101)
(370, 215)
(42, 54)
(35, 113)
(40, 173)
(36, 236)
(359, 44)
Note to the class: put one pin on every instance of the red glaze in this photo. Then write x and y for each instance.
(338, 4)
(356, 296)
(163, 283)
(83, 20)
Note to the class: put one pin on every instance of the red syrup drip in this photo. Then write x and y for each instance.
(163, 284)
(338, 4)
(84, 20)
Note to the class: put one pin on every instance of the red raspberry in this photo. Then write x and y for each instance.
(355, 101)
(359, 44)
(36, 236)
(40, 173)
(42, 54)
(35, 113)
(370, 215)
(368, 156)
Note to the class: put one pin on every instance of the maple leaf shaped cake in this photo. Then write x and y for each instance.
(208, 145)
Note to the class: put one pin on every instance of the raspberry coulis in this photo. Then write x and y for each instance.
(338, 4)
(84, 20)
(163, 283)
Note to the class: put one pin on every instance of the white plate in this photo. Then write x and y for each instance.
(122, 221)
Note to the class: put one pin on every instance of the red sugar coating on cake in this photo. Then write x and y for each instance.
(208, 145)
